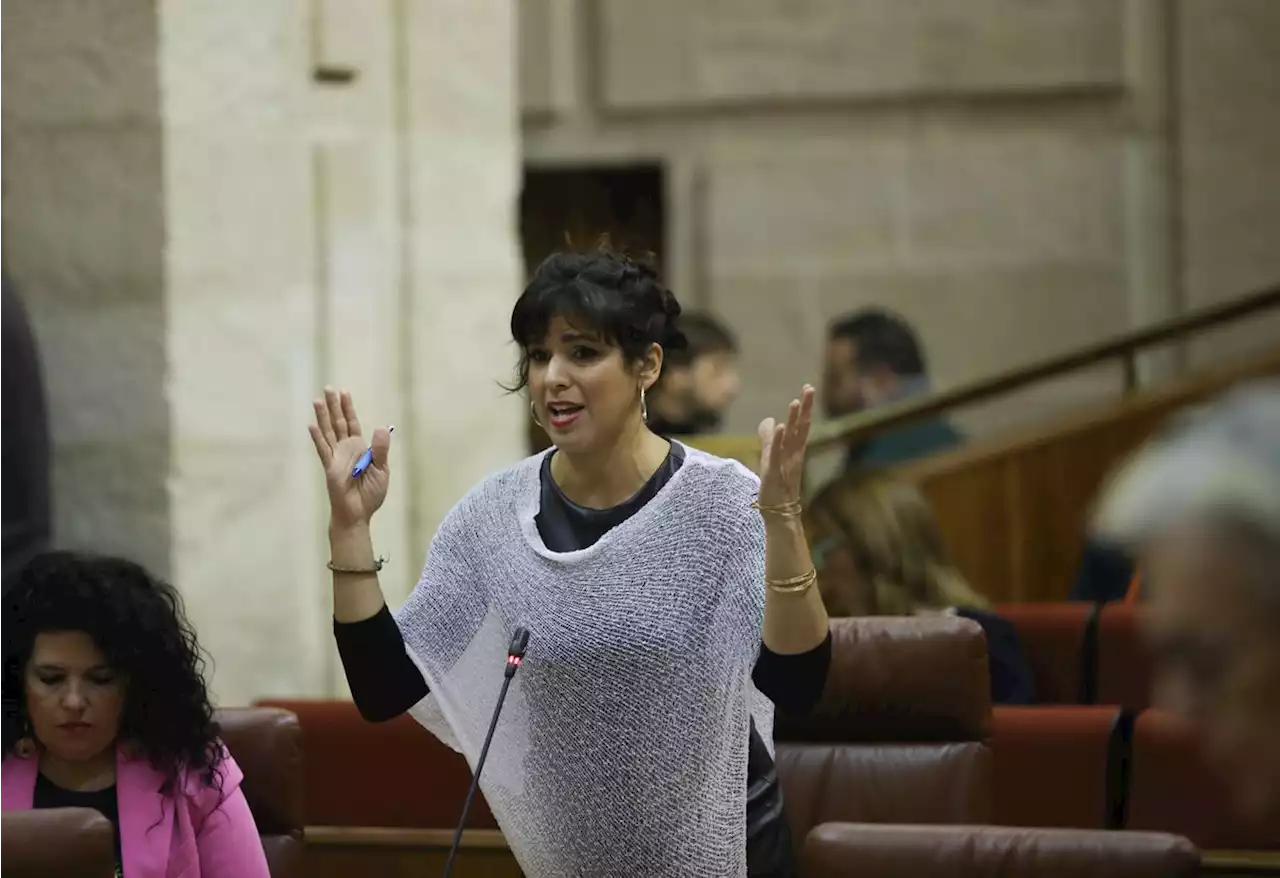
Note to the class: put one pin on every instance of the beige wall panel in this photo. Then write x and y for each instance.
(682, 54)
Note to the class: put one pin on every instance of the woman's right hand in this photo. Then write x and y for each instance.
(339, 444)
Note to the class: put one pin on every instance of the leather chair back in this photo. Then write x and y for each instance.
(858, 851)
(58, 843)
(348, 792)
(899, 735)
(1174, 787)
(1060, 643)
(267, 743)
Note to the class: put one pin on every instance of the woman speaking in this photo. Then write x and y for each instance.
(669, 594)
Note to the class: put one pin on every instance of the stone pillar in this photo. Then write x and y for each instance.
(242, 338)
(207, 233)
(463, 267)
(1150, 190)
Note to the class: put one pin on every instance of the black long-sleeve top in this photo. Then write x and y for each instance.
(385, 682)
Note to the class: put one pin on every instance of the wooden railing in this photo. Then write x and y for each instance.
(1014, 510)
(1125, 347)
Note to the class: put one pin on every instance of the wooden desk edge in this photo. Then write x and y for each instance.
(390, 836)
(492, 839)
(1250, 862)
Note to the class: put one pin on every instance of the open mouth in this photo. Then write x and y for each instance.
(563, 414)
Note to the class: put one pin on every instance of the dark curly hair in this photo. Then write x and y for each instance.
(137, 622)
(612, 293)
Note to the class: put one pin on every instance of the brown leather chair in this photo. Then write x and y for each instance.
(1125, 665)
(1059, 641)
(899, 735)
(58, 843)
(348, 760)
(1174, 788)
(1055, 766)
(843, 850)
(267, 743)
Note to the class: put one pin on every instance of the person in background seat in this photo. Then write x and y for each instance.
(874, 358)
(699, 382)
(106, 708)
(878, 552)
(1200, 508)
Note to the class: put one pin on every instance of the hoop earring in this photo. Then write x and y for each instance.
(533, 412)
(25, 746)
(644, 409)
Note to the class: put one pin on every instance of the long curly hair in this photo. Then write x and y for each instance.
(137, 622)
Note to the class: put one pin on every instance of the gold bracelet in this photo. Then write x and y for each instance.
(795, 584)
(786, 510)
(356, 571)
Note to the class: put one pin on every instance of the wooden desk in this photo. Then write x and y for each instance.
(341, 851)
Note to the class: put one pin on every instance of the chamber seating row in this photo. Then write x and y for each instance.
(905, 736)
(1084, 653)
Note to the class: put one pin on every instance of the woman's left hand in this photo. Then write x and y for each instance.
(782, 452)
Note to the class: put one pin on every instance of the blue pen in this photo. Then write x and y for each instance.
(365, 459)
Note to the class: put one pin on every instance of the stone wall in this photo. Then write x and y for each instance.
(1228, 77)
(1002, 172)
(84, 240)
(207, 232)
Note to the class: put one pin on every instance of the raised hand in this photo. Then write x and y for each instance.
(782, 452)
(339, 444)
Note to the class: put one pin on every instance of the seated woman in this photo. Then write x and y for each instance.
(106, 708)
(878, 552)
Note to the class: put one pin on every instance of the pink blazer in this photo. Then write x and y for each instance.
(186, 836)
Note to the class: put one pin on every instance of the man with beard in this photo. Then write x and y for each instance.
(874, 358)
(698, 383)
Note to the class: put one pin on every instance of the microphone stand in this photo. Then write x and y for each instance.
(515, 655)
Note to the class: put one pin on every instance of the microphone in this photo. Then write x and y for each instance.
(515, 656)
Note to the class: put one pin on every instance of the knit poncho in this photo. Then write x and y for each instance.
(622, 746)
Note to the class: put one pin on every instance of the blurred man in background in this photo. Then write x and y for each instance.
(25, 437)
(1201, 508)
(699, 383)
(873, 358)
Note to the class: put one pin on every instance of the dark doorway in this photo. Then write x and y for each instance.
(579, 205)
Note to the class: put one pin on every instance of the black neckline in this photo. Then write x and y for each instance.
(639, 495)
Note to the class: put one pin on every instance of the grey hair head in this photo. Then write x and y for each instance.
(1219, 464)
